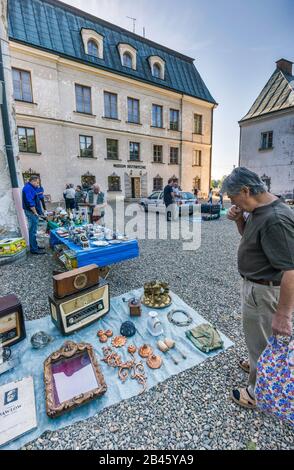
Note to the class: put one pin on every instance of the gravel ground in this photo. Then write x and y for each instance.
(191, 410)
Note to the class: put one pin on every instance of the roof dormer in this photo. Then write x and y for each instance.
(157, 65)
(93, 42)
(128, 56)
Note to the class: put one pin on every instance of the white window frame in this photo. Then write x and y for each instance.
(122, 49)
(90, 34)
(154, 59)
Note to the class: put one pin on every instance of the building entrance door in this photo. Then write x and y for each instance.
(136, 188)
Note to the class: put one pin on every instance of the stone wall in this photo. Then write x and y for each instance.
(276, 163)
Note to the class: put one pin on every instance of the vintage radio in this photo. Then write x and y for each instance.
(80, 310)
(75, 281)
(12, 327)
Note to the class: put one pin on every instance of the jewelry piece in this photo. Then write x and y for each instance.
(119, 341)
(186, 322)
(154, 362)
(172, 345)
(145, 350)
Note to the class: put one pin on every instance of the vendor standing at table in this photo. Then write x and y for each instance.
(70, 195)
(96, 202)
(32, 208)
(40, 193)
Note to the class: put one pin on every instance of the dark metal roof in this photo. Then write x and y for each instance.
(56, 27)
(277, 95)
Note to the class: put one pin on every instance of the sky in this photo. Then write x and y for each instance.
(235, 44)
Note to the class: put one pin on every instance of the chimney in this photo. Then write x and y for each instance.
(285, 66)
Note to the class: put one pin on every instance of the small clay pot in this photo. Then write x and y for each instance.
(132, 349)
(103, 339)
(145, 350)
(154, 362)
(101, 333)
(109, 333)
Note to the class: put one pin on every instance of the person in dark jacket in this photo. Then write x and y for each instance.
(168, 199)
(79, 197)
(32, 208)
(40, 193)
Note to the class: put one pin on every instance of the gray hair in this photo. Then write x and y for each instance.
(240, 178)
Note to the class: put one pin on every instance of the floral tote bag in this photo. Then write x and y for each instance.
(275, 379)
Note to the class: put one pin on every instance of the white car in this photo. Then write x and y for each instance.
(154, 203)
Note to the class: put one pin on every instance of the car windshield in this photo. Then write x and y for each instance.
(187, 196)
(154, 195)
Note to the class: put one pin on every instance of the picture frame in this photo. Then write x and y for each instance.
(72, 378)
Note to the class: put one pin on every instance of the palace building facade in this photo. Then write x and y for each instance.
(97, 103)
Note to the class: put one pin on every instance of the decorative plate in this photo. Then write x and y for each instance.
(100, 243)
(151, 305)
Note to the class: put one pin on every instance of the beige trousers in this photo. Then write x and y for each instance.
(259, 304)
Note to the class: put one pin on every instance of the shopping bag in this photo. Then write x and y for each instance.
(274, 390)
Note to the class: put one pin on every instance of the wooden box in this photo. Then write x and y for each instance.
(12, 327)
(74, 281)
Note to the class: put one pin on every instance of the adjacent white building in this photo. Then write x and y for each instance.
(95, 102)
(267, 132)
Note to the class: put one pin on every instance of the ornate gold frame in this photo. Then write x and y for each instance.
(69, 350)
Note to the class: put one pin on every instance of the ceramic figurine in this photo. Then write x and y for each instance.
(154, 324)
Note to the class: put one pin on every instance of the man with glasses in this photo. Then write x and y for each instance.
(266, 265)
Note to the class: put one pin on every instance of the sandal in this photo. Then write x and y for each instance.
(242, 397)
(245, 365)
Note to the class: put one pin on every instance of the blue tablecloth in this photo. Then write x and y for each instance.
(102, 256)
(32, 360)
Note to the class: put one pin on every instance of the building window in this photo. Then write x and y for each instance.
(197, 183)
(112, 149)
(174, 120)
(156, 71)
(114, 183)
(83, 99)
(127, 60)
(174, 155)
(86, 146)
(134, 151)
(157, 183)
(93, 48)
(196, 158)
(157, 115)
(93, 42)
(157, 153)
(267, 140)
(88, 180)
(157, 66)
(22, 86)
(133, 110)
(110, 105)
(27, 140)
(197, 124)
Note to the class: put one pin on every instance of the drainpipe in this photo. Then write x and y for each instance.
(210, 158)
(10, 155)
(181, 143)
